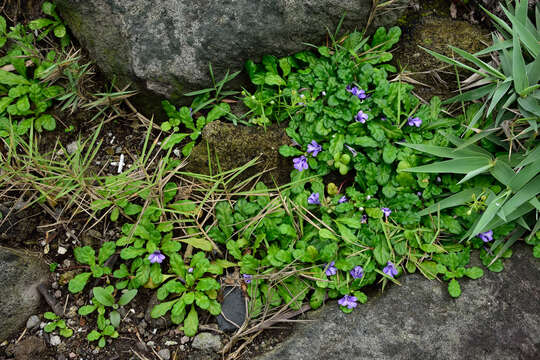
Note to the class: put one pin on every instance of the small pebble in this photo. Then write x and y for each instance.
(170, 343)
(151, 343)
(54, 285)
(72, 355)
(32, 322)
(72, 147)
(62, 250)
(58, 294)
(55, 340)
(95, 351)
(165, 354)
(184, 340)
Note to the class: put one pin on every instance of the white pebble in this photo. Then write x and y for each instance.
(62, 250)
(55, 340)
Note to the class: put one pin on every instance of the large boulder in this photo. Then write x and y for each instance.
(496, 317)
(20, 275)
(167, 45)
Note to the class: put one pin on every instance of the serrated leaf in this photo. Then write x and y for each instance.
(78, 283)
(162, 308)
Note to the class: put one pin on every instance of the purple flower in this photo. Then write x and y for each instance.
(300, 163)
(486, 236)
(343, 199)
(383, 118)
(313, 199)
(364, 219)
(314, 148)
(300, 104)
(247, 278)
(357, 272)
(416, 121)
(156, 257)
(331, 269)
(190, 270)
(353, 152)
(359, 93)
(361, 117)
(390, 269)
(386, 212)
(349, 301)
(419, 194)
(323, 93)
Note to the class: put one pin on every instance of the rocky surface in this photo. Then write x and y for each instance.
(167, 45)
(237, 145)
(20, 274)
(496, 317)
(207, 342)
(233, 309)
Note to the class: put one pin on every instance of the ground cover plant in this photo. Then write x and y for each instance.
(369, 198)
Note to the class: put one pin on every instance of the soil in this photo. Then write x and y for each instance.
(42, 228)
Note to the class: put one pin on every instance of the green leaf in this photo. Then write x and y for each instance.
(536, 251)
(202, 300)
(100, 204)
(78, 283)
(86, 309)
(454, 289)
(50, 316)
(327, 234)
(127, 297)
(191, 323)
(317, 298)
(206, 284)
(214, 308)
(50, 327)
(39, 23)
(60, 31)
(93, 335)
(474, 272)
(198, 243)
(482, 65)
(365, 141)
(172, 140)
(101, 342)
(103, 296)
(389, 153)
(273, 79)
(107, 250)
(162, 308)
(289, 151)
(8, 78)
(178, 312)
(218, 111)
(115, 318)
(67, 332)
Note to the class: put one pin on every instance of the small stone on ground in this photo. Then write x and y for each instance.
(165, 354)
(207, 341)
(32, 322)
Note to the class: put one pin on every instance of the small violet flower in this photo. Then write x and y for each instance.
(343, 199)
(359, 93)
(331, 269)
(323, 93)
(390, 269)
(486, 236)
(364, 219)
(386, 211)
(247, 278)
(361, 117)
(300, 163)
(357, 272)
(190, 270)
(314, 148)
(156, 257)
(416, 121)
(349, 301)
(313, 199)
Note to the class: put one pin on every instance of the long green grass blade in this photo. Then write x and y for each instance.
(491, 211)
(501, 90)
(519, 70)
(513, 238)
(477, 137)
(456, 166)
(473, 94)
(474, 173)
(460, 198)
(445, 152)
(528, 38)
(531, 157)
(503, 172)
(531, 190)
(482, 65)
(497, 46)
(450, 61)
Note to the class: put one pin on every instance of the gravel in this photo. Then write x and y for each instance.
(55, 340)
(165, 354)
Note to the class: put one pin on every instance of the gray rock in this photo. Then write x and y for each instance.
(207, 341)
(166, 45)
(55, 340)
(496, 317)
(233, 308)
(32, 322)
(165, 354)
(20, 274)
